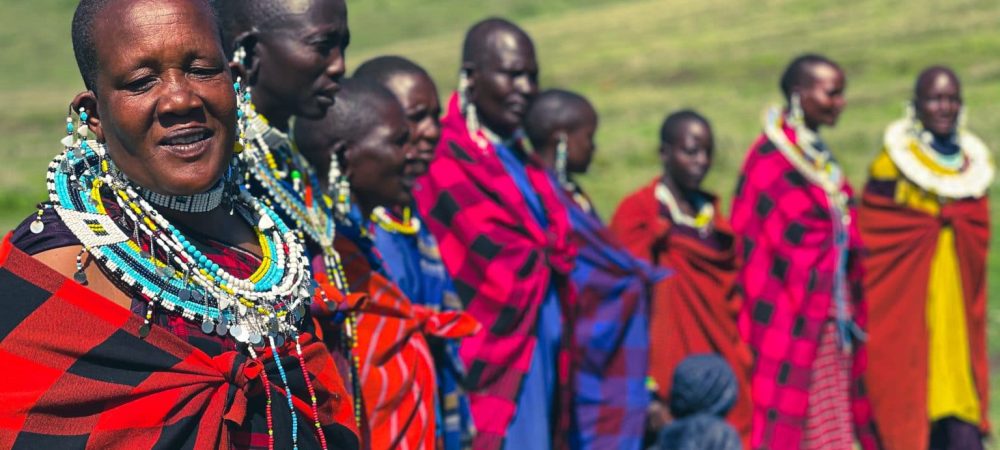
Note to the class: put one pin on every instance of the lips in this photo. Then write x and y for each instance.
(326, 96)
(187, 143)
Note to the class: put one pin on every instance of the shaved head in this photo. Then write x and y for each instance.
(484, 38)
(799, 72)
(555, 110)
(242, 16)
(929, 76)
(383, 68)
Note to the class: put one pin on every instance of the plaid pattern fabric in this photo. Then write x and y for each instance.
(693, 311)
(787, 281)
(414, 264)
(611, 347)
(502, 264)
(901, 242)
(397, 369)
(78, 376)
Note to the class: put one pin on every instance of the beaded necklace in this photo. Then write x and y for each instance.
(261, 310)
(702, 221)
(291, 185)
(408, 225)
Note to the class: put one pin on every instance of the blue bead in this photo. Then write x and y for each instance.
(84, 116)
(239, 113)
(69, 128)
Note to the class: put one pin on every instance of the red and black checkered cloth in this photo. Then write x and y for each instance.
(76, 374)
(787, 281)
(502, 263)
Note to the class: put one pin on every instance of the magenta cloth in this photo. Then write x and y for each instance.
(502, 264)
(787, 281)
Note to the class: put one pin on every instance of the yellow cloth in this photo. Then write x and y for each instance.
(951, 390)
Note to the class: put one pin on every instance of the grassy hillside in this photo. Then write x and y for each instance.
(635, 60)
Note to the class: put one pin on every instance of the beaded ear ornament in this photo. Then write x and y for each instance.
(160, 265)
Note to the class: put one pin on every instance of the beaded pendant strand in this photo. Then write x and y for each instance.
(292, 186)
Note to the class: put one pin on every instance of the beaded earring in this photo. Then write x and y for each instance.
(796, 117)
(561, 155)
(340, 188)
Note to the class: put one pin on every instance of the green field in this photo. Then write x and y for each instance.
(635, 60)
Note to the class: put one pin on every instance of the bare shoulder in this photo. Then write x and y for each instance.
(63, 260)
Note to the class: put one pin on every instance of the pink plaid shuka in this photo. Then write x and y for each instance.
(787, 280)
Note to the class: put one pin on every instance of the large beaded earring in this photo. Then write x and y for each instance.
(562, 153)
(339, 187)
(796, 116)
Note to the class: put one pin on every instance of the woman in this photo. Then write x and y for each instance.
(410, 252)
(181, 327)
(674, 223)
(926, 223)
(610, 335)
(292, 55)
(366, 136)
(804, 310)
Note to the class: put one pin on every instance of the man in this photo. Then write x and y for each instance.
(504, 237)
(924, 218)
(611, 337)
(673, 223)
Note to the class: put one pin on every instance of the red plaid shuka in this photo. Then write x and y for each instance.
(77, 375)
(502, 263)
(398, 383)
(787, 282)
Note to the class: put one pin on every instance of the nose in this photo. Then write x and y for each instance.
(336, 65)
(179, 97)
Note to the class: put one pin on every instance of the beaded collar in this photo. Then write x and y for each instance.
(198, 203)
(922, 165)
(702, 221)
(816, 166)
(165, 269)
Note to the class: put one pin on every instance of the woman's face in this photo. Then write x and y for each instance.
(419, 99)
(687, 161)
(299, 64)
(376, 164)
(823, 99)
(165, 104)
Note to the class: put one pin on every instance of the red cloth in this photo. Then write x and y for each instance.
(695, 310)
(787, 281)
(901, 242)
(77, 375)
(502, 264)
(397, 377)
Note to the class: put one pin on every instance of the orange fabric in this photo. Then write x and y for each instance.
(901, 242)
(693, 311)
(398, 385)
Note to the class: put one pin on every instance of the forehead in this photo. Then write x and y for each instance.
(309, 16)
(825, 74)
(938, 83)
(140, 32)
(404, 84)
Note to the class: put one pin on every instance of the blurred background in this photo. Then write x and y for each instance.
(635, 60)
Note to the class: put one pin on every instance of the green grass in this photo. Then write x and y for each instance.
(635, 60)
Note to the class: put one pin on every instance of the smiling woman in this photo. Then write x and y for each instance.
(185, 289)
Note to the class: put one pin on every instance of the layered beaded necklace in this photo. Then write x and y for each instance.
(170, 272)
(291, 185)
(702, 221)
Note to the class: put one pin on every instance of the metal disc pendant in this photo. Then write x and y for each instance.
(80, 277)
(236, 332)
(37, 226)
(207, 327)
(166, 271)
(221, 329)
(197, 296)
(255, 338)
(145, 254)
(144, 330)
(279, 340)
(299, 311)
(185, 295)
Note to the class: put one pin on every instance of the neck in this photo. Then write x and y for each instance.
(680, 194)
(276, 117)
(547, 156)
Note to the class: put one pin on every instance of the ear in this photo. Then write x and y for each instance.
(665, 153)
(250, 65)
(88, 101)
